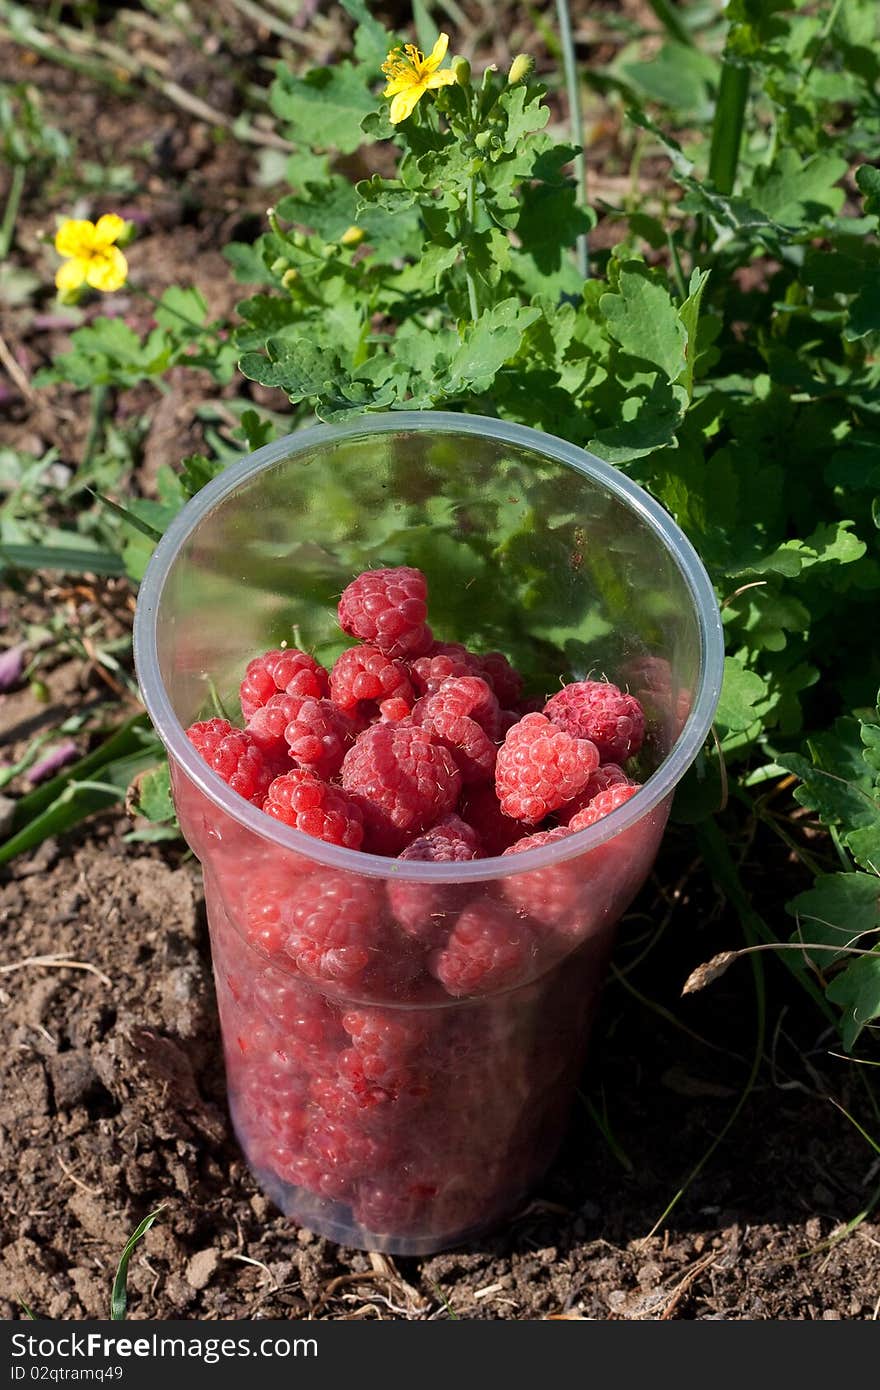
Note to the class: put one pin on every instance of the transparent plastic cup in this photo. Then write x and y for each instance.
(374, 1105)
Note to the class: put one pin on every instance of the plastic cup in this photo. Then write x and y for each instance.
(376, 1104)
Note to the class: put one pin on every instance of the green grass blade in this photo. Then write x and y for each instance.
(67, 559)
(131, 737)
(119, 1292)
(77, 802)
(129, 517)
(727, 127)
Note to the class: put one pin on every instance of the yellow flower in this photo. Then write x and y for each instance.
(89, 254)
(410, 74)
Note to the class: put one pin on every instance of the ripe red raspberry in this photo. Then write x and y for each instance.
(597, 710)
(385, 1040)
(608, 775)
(291, 671)
(467, 695)
(602, 805)
(426, 911)
(445, 716)
(540, 768)
(312, 733)
(404, 782)
(505, 680)
(392, 711)
(388, 608)
(319, 736)
(450, 841)
(234, 755)
(481, 809)
(363, 678)
(489, 949)
(301, 799)
(442, 660)
(333, 927)
(265, 904)
(550, 895)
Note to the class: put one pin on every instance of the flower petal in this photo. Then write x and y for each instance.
(107, 271)
(107, 229)
(437, 54)
(71, 275)
(440, 79)
(404, 103)
(400, 83)
(75, 237)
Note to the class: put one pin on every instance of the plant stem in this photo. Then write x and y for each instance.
(727, 127)
(97, 408)
(473, 302)
(668, 15)
(576, 121)
(7, 230)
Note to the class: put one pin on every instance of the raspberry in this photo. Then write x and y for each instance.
(481, 809)
(300, 799)
(608, 775)
(539, 839)
(489, 949)
(597, 710)
(364, 678)
(234, 755)
(265, 905)
(444, 659)
(445, 716)
(540, 768)
(505, 680)
(313, 733)
(404, 782)
(450, 841)
(392, 711)
(426, 911)
(602, 805)
(333, 927)
(467, 695)
(291, 671)
(388, 608)
(551, 894)
(384, 1040)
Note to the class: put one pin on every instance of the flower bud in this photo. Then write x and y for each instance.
(482, 139)
(352, 236)
(279, 265)
(520, 68)
(462, 69)
(289, 278)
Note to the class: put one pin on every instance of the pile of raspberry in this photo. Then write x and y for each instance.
(424, 752)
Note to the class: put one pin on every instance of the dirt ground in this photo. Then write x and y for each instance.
(112, 1098)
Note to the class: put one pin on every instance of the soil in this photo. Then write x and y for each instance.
(112, 1099)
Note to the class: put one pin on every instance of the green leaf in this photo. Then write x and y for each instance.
(857, 992)
(151, 794)
(864, 312)
(868, 180)
(836, 911)
(795, 190)
(119, 1292)
(741, 691)
(325, 108)
(689, 313)
(297, 365)
(642, 318)
(490, 342)
(182, 312)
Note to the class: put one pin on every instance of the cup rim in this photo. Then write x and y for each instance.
(659, 785)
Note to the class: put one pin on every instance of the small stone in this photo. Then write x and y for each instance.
(73, 1077)
(201, 1268)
